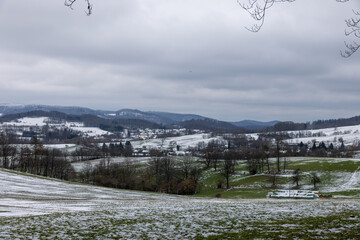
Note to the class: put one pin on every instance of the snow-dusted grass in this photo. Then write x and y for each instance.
(22, 195)
(339, 177)
(37, 208)
(79, 166)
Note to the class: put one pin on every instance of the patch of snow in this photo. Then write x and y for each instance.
(91, 131)
(186, 141)
(74, 124)
(354, 181)
(59, 146)
(79, 166)
(349, 134)
(28, 121)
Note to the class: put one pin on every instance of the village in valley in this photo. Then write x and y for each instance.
(201, 168)
(157, 119)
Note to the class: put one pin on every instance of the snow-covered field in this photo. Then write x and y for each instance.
(60, 146)
(78, 166)
(42, 121)
(349, 134)
(22, 195)
(27, 121)
(183, 141)
(35, 208)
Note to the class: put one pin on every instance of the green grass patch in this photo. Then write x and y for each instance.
(349, 193)
(250, 180)
(324, 164)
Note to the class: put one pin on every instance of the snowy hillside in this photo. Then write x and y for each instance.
(185, 142)
(25, 195)
(27, 122)
(349, 134)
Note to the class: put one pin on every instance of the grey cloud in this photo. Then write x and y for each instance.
(181, 56)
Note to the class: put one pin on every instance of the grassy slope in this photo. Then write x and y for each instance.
(333, 173)
(132, 215)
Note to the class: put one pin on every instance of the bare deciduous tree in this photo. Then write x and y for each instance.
(296, 177)
(279, 143)
(315, 179)
(70, 3)
(353, 25)
(229, 166)
(273, 177)
(258, 9)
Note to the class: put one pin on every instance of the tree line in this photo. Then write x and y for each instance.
(159, 174)
(35, 159)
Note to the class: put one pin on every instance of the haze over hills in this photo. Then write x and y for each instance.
(254, 125)
(6, 109)
(160, 118)
(144, 119)
(156, 117)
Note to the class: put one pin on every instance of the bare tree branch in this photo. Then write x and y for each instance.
(257, 10)
(70, 3)
(353, 29)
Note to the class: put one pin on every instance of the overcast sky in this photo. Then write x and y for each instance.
(184, 56)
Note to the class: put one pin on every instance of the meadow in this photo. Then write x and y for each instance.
(42, 208)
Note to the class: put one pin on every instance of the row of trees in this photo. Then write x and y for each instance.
(160, 174)
(263, 155)
(35, 159)
(90, 151)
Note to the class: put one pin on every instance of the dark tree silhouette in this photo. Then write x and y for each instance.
(296, 177)
(315, 179)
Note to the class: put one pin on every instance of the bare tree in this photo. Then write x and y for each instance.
(279, 142)
(212, 153)
(273, 177)
(228, 166)
(5, 149)
(258, 9)
(186, 164)
(315, 179)
(353, 25)
(296, 177)
(70, 3)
